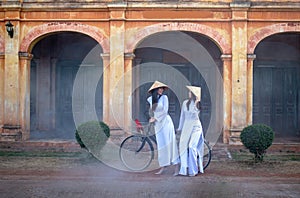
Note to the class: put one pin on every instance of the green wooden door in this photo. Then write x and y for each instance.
(276, 98)
(65, 74)
(53, 70)
(88, 101)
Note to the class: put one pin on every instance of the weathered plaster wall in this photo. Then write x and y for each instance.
(235, 27)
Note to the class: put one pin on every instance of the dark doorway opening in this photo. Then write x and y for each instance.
(151, 62)
(276, 95)
(56, 61)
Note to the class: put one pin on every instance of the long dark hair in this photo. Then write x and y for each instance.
(155, 99)
(193, 98)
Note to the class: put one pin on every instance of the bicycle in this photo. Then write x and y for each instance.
(137, 151)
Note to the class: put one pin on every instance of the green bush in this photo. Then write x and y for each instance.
(92, 135)
(257, 138)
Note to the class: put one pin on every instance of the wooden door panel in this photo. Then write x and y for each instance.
(290, 100)
(262, 96)
(275, 100)
(66, 73)
(88, 95)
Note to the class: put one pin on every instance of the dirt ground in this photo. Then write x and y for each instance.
(81, 175)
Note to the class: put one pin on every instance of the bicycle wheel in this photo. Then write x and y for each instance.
(136, 152)
(206, 155)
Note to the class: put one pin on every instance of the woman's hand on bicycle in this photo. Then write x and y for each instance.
(151, 120)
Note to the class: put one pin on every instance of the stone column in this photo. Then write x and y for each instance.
(106, 89)
(24, 70)
(251, 57)
(239, 69)
(128, 91)
(116, 70)
(135, 86)
(11, 129)
(1, 90)
(227, 97)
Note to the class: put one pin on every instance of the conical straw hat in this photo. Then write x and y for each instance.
(157, 84)
(196, 91)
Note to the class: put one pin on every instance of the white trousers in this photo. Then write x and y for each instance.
(190, 148)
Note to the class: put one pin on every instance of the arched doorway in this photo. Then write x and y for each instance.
(56, 60)
(168, 57)
(276, 79)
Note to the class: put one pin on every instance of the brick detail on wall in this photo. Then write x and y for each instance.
(220, 40)
(270, 30)
(64, 26)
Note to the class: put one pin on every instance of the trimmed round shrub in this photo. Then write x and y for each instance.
(92, 135)
(257, 138)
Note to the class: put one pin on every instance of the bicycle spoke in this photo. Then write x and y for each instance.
(136, 153)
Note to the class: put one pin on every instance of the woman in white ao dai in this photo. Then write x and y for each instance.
(164, 127)
(191, 139)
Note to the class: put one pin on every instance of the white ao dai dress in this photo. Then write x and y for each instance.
(165, 133)
(191, 140)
